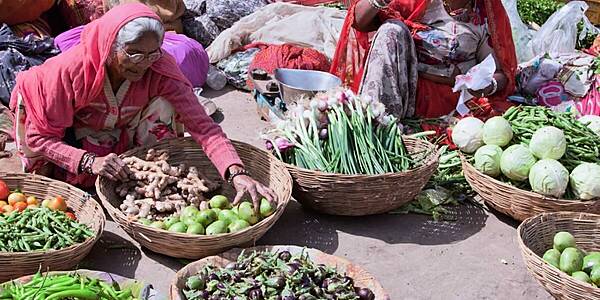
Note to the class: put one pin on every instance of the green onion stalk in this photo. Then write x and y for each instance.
(340, 132)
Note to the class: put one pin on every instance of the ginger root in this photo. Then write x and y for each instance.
(157, 189)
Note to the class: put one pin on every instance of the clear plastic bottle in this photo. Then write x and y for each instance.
(216, 79)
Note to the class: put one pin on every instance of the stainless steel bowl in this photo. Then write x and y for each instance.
(294, 84)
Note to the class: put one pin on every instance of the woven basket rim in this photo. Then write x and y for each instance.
(494, 181)
(203, 261)
(75, 247)
(281, 204)
(529, 254)
(430, 159)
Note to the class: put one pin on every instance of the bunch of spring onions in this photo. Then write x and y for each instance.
(339, 132)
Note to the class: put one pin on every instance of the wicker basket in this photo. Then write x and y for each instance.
(518, 203)
(361, 195)
(536, 235)
(87, 210)
(263, 166)
(361, 277)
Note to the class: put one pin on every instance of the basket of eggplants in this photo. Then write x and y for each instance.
(279, 273)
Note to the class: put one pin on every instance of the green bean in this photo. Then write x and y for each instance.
(80, 294)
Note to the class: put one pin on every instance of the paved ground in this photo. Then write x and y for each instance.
(413, 257)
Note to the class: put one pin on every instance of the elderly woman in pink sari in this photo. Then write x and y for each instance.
(114, 91)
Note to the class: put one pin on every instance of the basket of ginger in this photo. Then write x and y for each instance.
(175, 202)
(56, 232)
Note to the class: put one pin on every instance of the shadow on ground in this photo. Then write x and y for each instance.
(113, 254)
(305, 227)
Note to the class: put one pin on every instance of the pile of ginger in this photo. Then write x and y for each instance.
(157, 189)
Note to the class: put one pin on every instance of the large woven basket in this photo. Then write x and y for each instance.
(361, 195)
(263, 167)
(536, 235)
(361, 277)
(87, 210)
(517, 203)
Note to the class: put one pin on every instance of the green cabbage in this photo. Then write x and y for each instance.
(548, 143)
(592, 122)
(497, 131)
(585, 181)
(468, 134)
(516, 161)
(487, 160)
(548, 177)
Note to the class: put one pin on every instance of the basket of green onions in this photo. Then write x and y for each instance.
(348, 157)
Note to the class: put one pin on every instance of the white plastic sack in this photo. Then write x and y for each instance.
(477, 78)
(559, 33)
(278, 23)
(521, 33)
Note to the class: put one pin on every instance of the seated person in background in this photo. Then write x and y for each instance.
(115, 90)
(419, 47)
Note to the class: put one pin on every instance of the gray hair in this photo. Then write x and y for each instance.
(133, 30)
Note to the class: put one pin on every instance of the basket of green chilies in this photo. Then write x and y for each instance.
(80, 284)
(40, 237)
(347, 156)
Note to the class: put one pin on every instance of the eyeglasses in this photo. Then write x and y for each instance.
(139, 57)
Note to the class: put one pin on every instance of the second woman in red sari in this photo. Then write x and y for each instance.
(407, 53)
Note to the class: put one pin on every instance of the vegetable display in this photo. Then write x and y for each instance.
(273, 276)
(339, 132)
(40, 229)
(549, 153)
(66, 286)
(157, 189)
(565, 256)
(18, 201)
(582, 145)
(216, 216)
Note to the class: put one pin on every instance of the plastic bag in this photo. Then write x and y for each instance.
(522, 35)
(279, 23)
(559, 33)
(477, 78)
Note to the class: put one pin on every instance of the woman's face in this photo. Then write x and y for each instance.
(126, 63)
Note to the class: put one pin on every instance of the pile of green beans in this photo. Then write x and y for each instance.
(40, 229)
(66, 286)
(583, 145)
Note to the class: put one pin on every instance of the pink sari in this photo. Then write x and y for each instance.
(69, 91)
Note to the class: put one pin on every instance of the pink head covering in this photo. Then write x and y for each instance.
(55, 90)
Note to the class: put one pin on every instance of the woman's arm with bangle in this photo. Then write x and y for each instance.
(365, 15)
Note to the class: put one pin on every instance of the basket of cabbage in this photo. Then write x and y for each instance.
(522, 176)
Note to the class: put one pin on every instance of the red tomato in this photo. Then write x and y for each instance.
(71, 215)
(20, 206)
(4, 190)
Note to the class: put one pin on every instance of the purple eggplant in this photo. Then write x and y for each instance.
(277, 282)
(255, 294)
(285, 256)
(213, 276)
(365, 294)
(290, 297)
(231, 266)
(348, 280)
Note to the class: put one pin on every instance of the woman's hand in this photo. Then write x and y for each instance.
(483, 92)
(245, 184)
(111, 167)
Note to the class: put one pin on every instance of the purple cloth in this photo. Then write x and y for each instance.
(189, 54)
